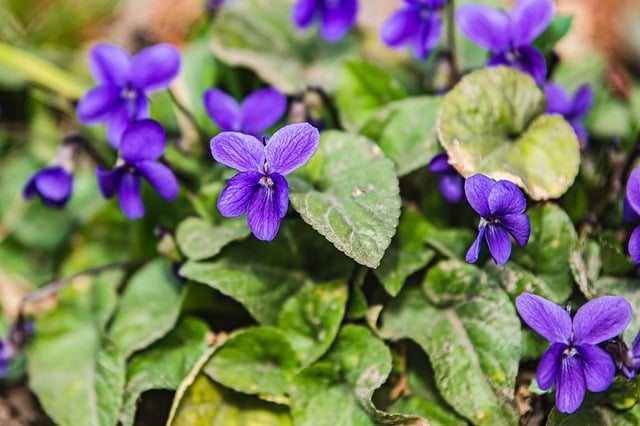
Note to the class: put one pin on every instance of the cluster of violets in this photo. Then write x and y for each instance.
(576, 360)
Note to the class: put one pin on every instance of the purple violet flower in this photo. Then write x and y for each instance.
(6, 353)
(451, 182)
(573, 110)
(260, 189)
(509, 36)
(418, 25)
(123, 83)
(52, 184)
(336, 16)
(574, 362)
(634, 355)
(142, 143)
(259, 111)
(632, 200)
(501, 207)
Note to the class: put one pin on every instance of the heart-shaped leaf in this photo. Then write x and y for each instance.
(492, 122)
(199, 239)
(353, 200)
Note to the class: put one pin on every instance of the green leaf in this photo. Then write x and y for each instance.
(338, 389)
(492, 122)
(543, 266)
(585, 266)
(407, 252)
(259, 34)
(148, 309)
(471, 333)
(206, 403)
(354, 202)
(42, 72)
(553, 34)
(258, 360)
(312, 317)
(362, 89)
(164, 364)
(623, 393)
(198, 239)
(405, 130)
(263, 283)
(77, 375)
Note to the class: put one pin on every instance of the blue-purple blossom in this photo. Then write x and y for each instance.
(501, 207)
(260, 189)
(631, 211)
(509, 36)
(573, 110)
(141, 145)
(123, 85)
(52, 184)
(633, 360)
(336, 16)
(451, 182)
(6, 353)
(417, 25)
(574, 362)
(257, 112)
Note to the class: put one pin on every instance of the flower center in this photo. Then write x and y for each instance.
(569, 352)
(266, 181)
(129, 94)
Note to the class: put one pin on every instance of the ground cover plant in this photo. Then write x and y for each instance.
(316, 212)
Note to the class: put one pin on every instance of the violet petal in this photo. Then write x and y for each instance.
(337, 18)
(601, 319)
(129, 196)
(428, 36)
(261, 109)
(545, 317)
(519, 226)
(634, 245)
(222, 109)
(96, 105)
(474, 251)
(532, 62)
(108, 181)
(238, 151)
(498, 242)
(234, 198)
(160, 177)
(477, 189)
(440, 164)
(117, 122)
(303, 12)
(633, 190)
(598, 367)
(628, 213)
(154, 67)
(54, 184)
(109, 64)
(485, 26)
(281, 192)
(291, 147)
(451, 187)
(506, 198)
(529, 18)
(571, 385)
(142, 140)
(401, 27)
(263, 213)
(548, 367)
(582, 100)
(558, 101)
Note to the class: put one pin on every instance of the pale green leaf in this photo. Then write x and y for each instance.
(492, 122)
(260, 35)
(148, 309)
(198, 239)
(354, 202)
(78, 376)
(362, 89)
(405, 130)
(407, 252)
(164, 364)
(471, 332)
(311, 318)
(258, 360)
(205, 403)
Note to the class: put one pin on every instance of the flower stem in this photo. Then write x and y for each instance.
(202, 134)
